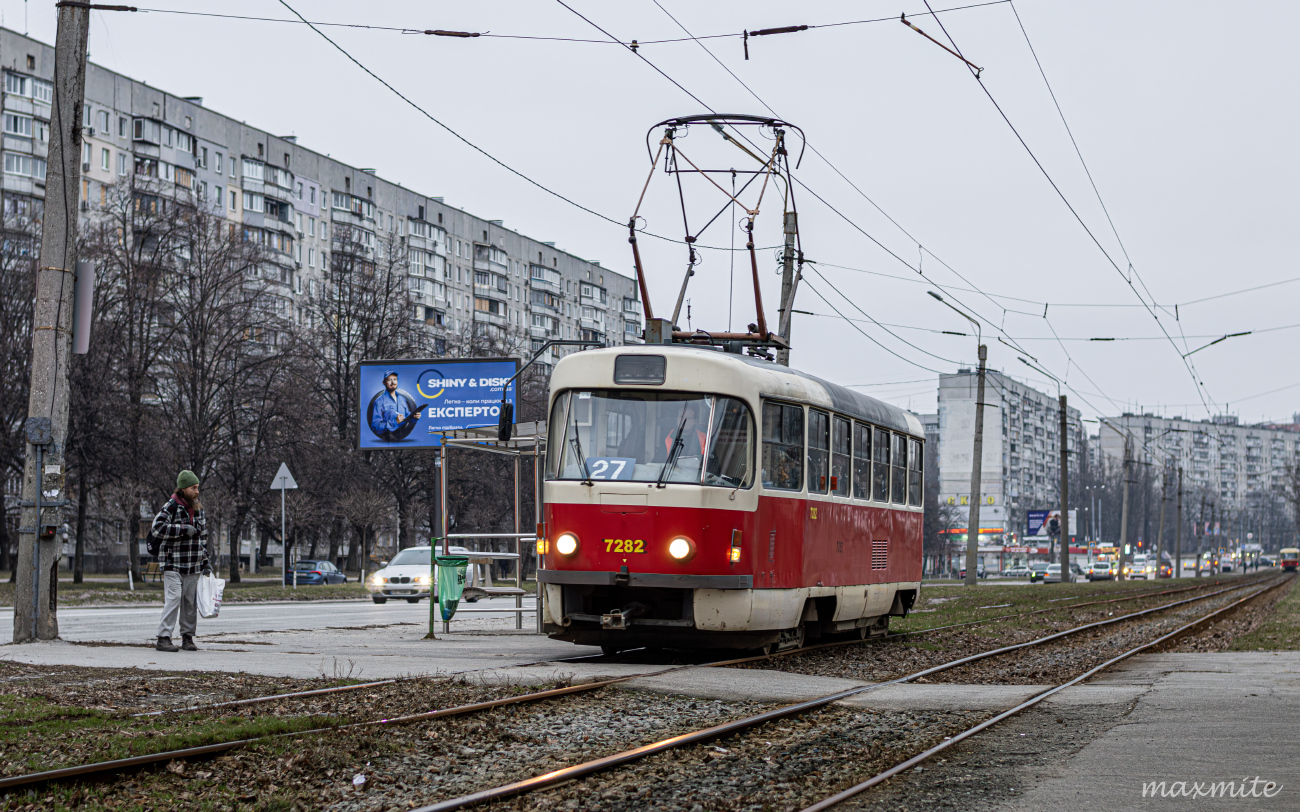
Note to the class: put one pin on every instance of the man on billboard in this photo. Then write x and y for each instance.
(392, 412)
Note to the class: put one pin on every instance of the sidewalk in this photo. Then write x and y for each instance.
(1200, 719)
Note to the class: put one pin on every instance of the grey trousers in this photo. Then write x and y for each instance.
(180, 597)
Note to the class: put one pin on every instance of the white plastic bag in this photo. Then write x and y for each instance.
(209, 591)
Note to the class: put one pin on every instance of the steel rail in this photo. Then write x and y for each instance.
(1029, 703)
(337, 689)
(814, 647)
(115, 765)
(597, 765)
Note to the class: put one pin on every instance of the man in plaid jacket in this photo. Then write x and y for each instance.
(183, 530)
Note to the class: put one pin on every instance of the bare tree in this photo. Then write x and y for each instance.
(20, 232)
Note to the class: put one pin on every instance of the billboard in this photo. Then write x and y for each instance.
(405, 404)
(1039, 521)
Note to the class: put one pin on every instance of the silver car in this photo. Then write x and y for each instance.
(409, 576)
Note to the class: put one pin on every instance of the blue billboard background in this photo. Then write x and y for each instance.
(431, 396)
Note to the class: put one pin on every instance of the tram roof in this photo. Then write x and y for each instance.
(836, 397)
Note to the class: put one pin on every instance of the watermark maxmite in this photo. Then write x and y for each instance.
(1247, 788)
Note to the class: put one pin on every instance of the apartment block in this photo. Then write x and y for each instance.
(1219, 457)
(464, 271)
(1020, 470)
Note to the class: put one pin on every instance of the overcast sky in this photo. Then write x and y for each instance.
(1183, 110)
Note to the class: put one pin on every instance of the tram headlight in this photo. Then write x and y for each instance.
(566, 544)
(681, 548)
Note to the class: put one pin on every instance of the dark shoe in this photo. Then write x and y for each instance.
(165, 644)
(187, 642)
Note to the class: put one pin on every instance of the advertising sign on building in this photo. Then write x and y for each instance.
(1040, 520)
(405, 404)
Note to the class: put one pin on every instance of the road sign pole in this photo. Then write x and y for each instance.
(284, 546)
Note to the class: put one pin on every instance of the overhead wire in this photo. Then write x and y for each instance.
(1196, 380)
(517, 173)
(489, 35)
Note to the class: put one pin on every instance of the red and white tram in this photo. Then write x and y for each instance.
(696, 497)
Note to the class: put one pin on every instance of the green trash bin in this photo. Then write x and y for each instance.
(451, 583)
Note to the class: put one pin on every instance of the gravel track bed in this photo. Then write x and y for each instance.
(1057, 662)
(460, 756)
(785, 765)
(899, 655)
(1218, 635)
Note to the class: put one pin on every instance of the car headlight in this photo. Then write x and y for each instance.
(681, 548)
(420, 579)
(566, 544)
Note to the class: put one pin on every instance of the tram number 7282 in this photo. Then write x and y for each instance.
(624, 545)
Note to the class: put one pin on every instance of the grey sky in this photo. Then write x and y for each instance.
(1181, 109)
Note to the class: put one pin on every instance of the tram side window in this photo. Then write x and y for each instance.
(819, 447)
(556, 430)
(880, 482)
(840, 459)
(782, 446)
(914, 470)
(899, 489)
(861, 461)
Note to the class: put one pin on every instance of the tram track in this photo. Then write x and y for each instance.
(948, 742)
(118, 765)
(578, 771)
(622, 658)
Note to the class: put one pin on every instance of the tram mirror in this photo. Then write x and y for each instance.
(507, 421)
(640, 369)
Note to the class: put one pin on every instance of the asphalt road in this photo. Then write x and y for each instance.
(139, 624)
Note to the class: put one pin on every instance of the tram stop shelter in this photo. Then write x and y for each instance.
(527, 442)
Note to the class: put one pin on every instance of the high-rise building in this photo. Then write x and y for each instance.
(1231, 463)
(1021, 469)
(465, 272)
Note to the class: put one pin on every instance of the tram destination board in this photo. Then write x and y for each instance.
(408, 403)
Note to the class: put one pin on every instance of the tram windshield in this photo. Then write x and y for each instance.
(638, 436)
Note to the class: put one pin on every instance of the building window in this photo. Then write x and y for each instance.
(103, 122)
(121, 126)
(104, 160)
(16, 84)
(233, 200)
(18, 125)
(122, 164)
(24, 165)
(217, 165)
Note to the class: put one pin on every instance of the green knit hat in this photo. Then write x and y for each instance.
(185, 479)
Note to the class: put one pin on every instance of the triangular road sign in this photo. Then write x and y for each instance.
(283, 479)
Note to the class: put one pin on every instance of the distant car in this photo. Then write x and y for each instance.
(1076, 570)
(1037, 572)
(1100, 571)
(1018, 571)
(1165, 571)
(1053, 574)
(1265, 562)
(980, 572)
(1141, 567)
(315, 573)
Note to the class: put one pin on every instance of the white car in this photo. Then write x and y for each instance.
(407, 576)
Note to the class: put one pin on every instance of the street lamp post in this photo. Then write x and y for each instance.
(977, 460)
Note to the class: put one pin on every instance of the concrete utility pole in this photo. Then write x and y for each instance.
(789, 285)
(976, 465)
(1065, 494)
(1178, 528)
(1160, 533)
(36, 592)
(1123, 516)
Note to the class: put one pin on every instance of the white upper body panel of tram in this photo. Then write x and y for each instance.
(702, 369)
